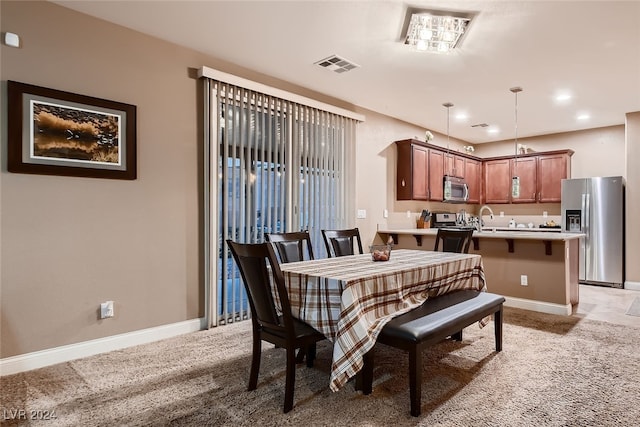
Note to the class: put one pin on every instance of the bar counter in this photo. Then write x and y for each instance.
(533, 269)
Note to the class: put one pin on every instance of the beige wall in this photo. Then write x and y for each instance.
(376, 168)
(68, 244)
(591, 147)
(632, 200)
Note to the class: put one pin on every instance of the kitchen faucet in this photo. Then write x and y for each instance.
(480, 222)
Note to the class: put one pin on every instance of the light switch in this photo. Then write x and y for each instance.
(11, 39)
(362, 213)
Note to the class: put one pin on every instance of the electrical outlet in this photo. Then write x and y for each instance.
(362, 213)
(524, 280)
(545, 214)
(408, 214)
(501, 214)
(106, 309)
(385, 213)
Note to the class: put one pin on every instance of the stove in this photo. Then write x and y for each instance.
(443, 219)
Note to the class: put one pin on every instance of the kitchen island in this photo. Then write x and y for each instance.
(533, 269)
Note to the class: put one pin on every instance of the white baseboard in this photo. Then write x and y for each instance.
(634, 286)
(540, 306)
(42, 358)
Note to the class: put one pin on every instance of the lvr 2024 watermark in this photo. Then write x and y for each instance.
(28, 414)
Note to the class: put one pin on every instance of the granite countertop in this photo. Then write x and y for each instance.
(499, 233)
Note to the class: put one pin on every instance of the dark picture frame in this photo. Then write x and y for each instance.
(52, 132)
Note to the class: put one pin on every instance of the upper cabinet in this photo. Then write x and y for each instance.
(436, 175)
(421, 168)
(454, 165)
(412, 169)
(552, 169)
(497, 181)
(526, 169)
(473, 177)
(419, 171)
(540, 176)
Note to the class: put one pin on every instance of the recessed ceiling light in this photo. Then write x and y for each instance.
(583, 116)
(493, 130)
(461, 116)
(563, 97)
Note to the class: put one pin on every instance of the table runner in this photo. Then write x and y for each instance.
(350, 299)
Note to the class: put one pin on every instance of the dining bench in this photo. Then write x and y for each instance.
(435, 320)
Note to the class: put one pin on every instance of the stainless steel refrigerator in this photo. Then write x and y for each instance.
(595, 207)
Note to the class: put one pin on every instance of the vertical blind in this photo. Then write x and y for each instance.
(274, 165)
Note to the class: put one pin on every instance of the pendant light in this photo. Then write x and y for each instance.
(447, 183)
(515, 180)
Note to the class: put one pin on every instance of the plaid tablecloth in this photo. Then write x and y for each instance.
(349, 299)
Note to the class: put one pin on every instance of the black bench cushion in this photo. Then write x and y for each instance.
(441, 312)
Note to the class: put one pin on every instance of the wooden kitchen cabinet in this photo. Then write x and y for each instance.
(412, 173)
(419, 171)
(540, 175)
(473, 177)
(454, 165)
(421, 168)
(526, 168)
(497, 181)
(436, 175)
(551, 170)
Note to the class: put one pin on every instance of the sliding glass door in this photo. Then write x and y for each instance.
(280, 166)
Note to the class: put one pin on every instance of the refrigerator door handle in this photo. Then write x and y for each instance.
(583, 206)
(586, 212)
(586, 229)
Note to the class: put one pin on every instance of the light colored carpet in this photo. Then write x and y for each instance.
(634, 308)
(553, 371)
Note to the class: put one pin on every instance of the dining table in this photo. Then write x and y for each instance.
(349, 299)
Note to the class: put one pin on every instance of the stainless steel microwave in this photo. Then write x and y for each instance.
(455, 190)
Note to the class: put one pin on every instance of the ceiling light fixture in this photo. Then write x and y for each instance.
(515, 180)
(435, 30)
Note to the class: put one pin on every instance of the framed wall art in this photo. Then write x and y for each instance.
(51, 132)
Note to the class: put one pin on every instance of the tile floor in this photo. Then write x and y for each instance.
(607, 304)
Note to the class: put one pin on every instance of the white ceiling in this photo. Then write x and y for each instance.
(589, 49)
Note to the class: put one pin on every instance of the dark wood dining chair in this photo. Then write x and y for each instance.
(281, 329)
(454, 240)
(291, 246)
(340, 242)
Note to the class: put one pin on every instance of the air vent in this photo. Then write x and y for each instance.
(337, 64)
(480, 125)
